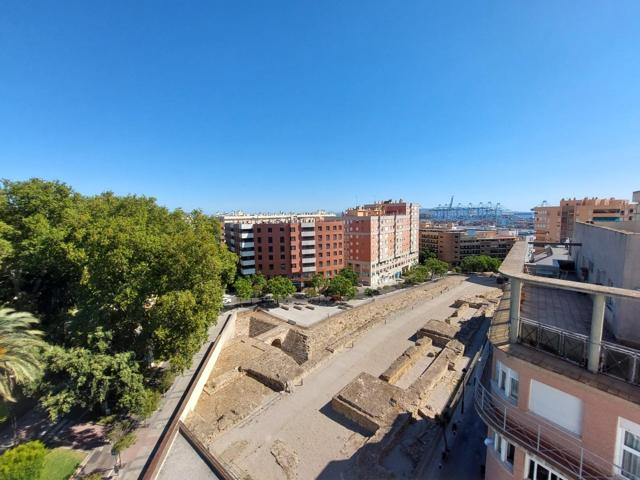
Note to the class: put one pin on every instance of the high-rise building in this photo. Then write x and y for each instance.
(452, 244)
(561, 394)
(382, 240)
(295, 245)
(555, 223)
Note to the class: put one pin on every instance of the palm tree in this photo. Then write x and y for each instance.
(20, 351)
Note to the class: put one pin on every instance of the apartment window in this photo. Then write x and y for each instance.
(270, 257)
(538, 471)
(259, 230)
(628, 449)
(269, 229)
(271, 265)
(281, 239)
(327, 237)
(259, 249)
(270, 239)
(282, 248)
(319, 238)
(283, 266)
(505, 450)
(270, 249)
(320, 263)
(259, 239)
(259, 257)
(282, 257)
(282, 229)
(293, 257)
(292, 239)
(327, 228)
(507, 381)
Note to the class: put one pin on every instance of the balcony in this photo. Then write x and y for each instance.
(249, 253)
(307, 233)
(309, 251)
(246, 235)
(246, 244)
(248, 271)
(615, 360)
(561, 450)
(309, 268)
(308, 242)
(248, 263)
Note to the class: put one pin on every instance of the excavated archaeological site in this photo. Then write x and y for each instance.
(357, 395)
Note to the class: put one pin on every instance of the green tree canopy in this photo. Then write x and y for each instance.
(350, 275)
(91, 378)
(436, 267)
(340, 287)
(280, 288)
(480, 263)
(243, 287)
(426, 254)
(24, 462)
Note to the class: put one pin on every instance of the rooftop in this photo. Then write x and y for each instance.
(632, 228)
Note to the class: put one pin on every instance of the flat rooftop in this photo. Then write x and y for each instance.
(623, 227)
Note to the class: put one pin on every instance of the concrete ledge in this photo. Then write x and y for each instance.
(407, 360)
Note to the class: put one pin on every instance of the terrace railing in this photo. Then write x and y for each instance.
(553, 444)
(616, 360)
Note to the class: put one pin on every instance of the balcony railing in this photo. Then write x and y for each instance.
(616, 360)
(560, 449)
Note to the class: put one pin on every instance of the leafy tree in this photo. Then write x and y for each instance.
(149, 403)
(350, 275)
(317, 281)
(24, 462)
(436, 267)
(80, 263)
(480, 263)
(21, 349)
(243, 287)
(340, 287)
(426, 254)
(91, 378)
(417, 274)
(280, 288)
(259, 284)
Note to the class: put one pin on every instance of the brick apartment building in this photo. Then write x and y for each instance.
(561, 391)
(296, 246)
(556, 223)
(382, 240)
(452, 244)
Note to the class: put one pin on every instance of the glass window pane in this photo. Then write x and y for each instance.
(542, 473)
(532, 470)
(511, 453)
(632, 441)
(514, 388)
(630, 464)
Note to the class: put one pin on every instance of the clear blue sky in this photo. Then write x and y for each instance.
(267, 105)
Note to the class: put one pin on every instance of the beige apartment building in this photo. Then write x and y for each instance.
(382, 240)
(452, 244)
(556, 223)
(561, 393)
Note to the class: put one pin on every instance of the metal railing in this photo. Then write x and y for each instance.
(568, 345)
(616, 360)
(560, 449)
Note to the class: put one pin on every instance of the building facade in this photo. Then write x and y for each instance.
(609, 254)
(382, 240)
(556, 223)
(295, 246)
(561, 395)
(453, 244)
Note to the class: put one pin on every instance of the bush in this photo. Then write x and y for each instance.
(148, 403)
(370, 292)
(23, 462)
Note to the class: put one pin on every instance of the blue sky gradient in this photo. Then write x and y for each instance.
(305, 104)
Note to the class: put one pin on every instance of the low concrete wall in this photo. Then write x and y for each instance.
(227, 333)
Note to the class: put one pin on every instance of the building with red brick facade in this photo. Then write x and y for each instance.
(296, 246)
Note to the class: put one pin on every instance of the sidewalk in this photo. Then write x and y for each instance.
(135, 457)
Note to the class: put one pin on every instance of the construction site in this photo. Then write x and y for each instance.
(363, 393)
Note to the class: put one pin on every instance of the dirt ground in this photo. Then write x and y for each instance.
(309, 439)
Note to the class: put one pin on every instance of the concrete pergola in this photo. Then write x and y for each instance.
(513, 268)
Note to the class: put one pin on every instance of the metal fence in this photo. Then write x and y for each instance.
(557, 447)
(616, 360)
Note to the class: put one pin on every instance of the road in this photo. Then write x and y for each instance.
(304, 421)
